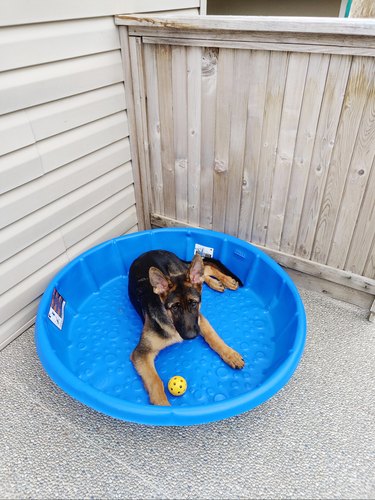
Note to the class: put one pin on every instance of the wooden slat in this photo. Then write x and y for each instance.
(156, 173)
(259, 63)
(364, 232)
(314, 48)
(277, 71)
(372, 313)
(319, 25)
(209, 96)
(139, 92)
(311, 105)
(194, 77)
(180, 124)
(293, 40)
(324, 142)
(164, 74)
(238, 119)
(225, 78)
(294, 90)
(369, 269)
(136, 127)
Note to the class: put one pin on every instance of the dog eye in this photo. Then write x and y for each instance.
(193, 304)
(176, 306)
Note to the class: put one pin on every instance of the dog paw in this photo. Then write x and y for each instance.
(214, 283)
(233, 359)
(231, 283)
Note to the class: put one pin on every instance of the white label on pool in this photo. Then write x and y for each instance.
(56, 310)
(203, 251)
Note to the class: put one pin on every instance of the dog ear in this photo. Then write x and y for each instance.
(159, 282)
(196, 270)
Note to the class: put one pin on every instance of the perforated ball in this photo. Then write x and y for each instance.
(177, 386)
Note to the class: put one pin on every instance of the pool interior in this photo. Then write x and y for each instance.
(101, 328)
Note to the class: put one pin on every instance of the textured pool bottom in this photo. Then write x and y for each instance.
(107, 329)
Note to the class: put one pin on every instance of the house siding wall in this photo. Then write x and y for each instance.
(66, 180)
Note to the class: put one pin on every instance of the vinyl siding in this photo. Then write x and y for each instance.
(66, 180)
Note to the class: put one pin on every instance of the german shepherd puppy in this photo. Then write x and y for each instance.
(166, 292)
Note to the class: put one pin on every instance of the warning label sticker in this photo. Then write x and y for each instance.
(56, 310)
(203, 251)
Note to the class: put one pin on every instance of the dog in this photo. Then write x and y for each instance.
(166, 292)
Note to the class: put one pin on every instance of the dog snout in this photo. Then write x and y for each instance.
(190, 335)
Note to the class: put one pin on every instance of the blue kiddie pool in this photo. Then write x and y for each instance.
(87, 328)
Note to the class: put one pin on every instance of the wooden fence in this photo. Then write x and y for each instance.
(263, 128)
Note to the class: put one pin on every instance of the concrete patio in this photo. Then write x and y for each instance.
(314, 439)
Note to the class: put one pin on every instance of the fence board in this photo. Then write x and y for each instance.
(222, 136)
(370, 264)
(294, 89)
(180, 136)
(194, 82)
(259, 64)
(156, 174)
(263, 44)
(278, 67)
(164, 73)
(222, 25)
(364, 231)
(207, 147)
(238, 119)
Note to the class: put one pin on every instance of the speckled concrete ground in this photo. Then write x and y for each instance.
(314, 439)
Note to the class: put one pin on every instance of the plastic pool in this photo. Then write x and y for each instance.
(88, 354)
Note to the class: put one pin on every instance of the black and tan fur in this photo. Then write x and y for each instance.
(166, 292)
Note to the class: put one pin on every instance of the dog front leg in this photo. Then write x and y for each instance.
(144, 363)
(229, 355)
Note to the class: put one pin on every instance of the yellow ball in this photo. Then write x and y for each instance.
(177, 386)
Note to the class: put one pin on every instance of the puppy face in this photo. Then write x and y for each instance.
(181, 297)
